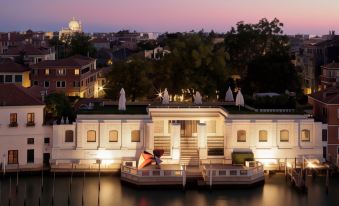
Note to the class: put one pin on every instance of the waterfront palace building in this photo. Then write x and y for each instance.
(188, 135)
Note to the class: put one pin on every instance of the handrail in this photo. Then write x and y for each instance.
(233, 172)
(152, 172)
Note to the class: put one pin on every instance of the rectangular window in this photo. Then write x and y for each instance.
(46, 84)
(12, 157)
(69, 134)
(46, 140)
(337, 113)
(1, 78)
(91, 136)
(241, 136)
(30, 119)
(35, 83)
(113, 136)
(8, 79)
(30, 140)
(30, 156)
(76, 71)
(61, 72)
(262, 136)
(18, 78)
(61, 84)
(135, 136)
(324, 135)
(85, 70)
(35, 71)
(76, 84)
(46, 72)
(324, 152)
(13, 121)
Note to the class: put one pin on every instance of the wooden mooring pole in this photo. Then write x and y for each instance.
(327, 180)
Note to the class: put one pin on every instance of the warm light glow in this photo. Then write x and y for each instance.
(289, 165)
(101, 88)
(104, 155)
(268, 161)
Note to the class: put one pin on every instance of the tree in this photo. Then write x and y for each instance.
(59, 107)
(134, 76)
(80, 44)
(248, 41)
(259, 53)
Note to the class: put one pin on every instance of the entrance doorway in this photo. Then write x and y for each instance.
(46, 159)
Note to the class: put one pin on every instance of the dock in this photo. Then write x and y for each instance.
(208, 175)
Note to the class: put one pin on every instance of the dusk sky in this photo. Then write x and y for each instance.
(299, 16)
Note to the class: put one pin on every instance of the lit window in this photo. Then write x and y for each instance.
(13, 121)
(61, 72)
(135, 136)
(12, 157)
(30, 140)
(284, 135)
(69, 136)
(30, 119)
(241, 136)
(91, 136)
(262, 136)
(113, 136)
(46, 72)
(76, 71)
(305, 135)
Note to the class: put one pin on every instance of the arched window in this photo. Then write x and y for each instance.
(69, 136)
(305, 135)
(113, 136)
(135, 136)
(262, 136)
(284, 135)
(91, 136)
(241, 136)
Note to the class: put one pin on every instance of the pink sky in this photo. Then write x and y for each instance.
(299, 16)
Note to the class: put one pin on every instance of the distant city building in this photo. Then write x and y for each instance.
(28, 54)
(100, 43)
(314, 53)
(11, 72)
(74, 26)
(326, 109)
(75, 76)
(156, 53)
(330, 75)
(25, 141)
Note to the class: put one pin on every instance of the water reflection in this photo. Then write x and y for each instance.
(275, 192)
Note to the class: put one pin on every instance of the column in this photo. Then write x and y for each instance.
(102, 135)
(175, 139)
(202, 140)
(149, 139)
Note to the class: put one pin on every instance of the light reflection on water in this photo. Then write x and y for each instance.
(275, 192)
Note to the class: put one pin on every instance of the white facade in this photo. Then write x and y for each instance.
(188, 135)
(15, 137)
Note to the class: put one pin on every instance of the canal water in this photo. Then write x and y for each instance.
(275, 192)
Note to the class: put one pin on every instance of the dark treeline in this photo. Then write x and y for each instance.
(257, 53)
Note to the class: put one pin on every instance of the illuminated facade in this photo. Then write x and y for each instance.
(187, 135)
(74, 26)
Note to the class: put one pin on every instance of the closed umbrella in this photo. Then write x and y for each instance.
(197, 98)
(165, 99)
(122, 100)
(239, 100)
(229, 95)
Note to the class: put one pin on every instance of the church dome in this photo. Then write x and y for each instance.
(74, 25)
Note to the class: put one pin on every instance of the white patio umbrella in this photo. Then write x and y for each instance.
(122, 100)
(165, 98)
(197, 98)
(229, 95)
(239, 100)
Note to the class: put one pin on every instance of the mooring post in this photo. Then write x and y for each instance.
(10, 188)
(53, 189)
(285, 169)
(211, 177)
(83, 187)
(184, 177)
(17, 181)
(25, 195)
(42, 179)
(327, 180)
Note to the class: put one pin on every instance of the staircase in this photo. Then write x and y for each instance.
(189, 154)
